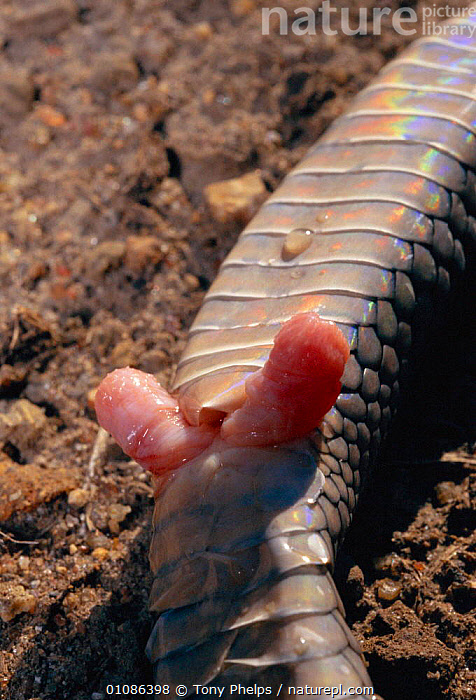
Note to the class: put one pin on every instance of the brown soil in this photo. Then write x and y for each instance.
(114, 115)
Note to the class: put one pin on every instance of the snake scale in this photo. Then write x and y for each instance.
(369, 230)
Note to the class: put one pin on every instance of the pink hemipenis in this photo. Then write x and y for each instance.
(296, 387)
(147, 422)
(285, 400)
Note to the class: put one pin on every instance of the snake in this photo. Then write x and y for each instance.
(369, 231)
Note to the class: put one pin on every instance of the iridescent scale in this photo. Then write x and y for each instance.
(368, 191)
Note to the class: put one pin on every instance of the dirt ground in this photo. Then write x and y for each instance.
(114, 116)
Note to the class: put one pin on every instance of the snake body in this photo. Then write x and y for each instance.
(369, 231)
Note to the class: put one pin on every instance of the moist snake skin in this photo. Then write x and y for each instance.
(370, 231)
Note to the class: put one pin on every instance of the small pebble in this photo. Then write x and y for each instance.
(78, 498)
(388, 590)
(22, 423)
(208, 96)
(14, 600)
(91, 395)
(117, 513)
(191, 281)
(11, 376)
(96, 540)
(203, 31)
(141, 252)
(50, 116)
(24, 563)
(100, 553)
(235, 200)
(444, 492)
